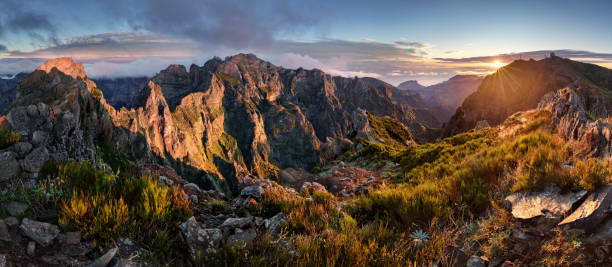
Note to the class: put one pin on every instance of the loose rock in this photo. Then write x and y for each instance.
(591, 212)
(9, 166)
(550, 202)
(41, 232)
(15, 208)
(253, 191)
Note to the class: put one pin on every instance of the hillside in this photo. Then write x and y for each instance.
(520, 86)
(444, 97)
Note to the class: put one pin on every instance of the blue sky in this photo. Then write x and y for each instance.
(390, 40)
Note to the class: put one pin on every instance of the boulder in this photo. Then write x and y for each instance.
(103, 260)
(199, 241)
(3, 261)
(242, 238)
(36, 159)
(476, 261)
(31, 249)
(236, 222)
(311, 187)
(40, 138)
(15, 208)
(591, 212)
(22, 148)
(192, 187)
(9, 166)
(41, 232)
(253, 191)
(4, 233)
(11, 221)
(275, 224)
(548, 203)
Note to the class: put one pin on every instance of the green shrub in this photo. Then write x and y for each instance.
(541, 167)
(218, 206)
(316, 170)
(104, 206)
(592, 173)
(402, 204)
(8, 138)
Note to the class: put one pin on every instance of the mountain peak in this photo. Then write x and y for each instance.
(65, 65)
(410, 85)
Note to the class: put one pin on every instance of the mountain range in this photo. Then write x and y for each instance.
(242, 161)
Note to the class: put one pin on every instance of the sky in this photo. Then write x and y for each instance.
(428, 41)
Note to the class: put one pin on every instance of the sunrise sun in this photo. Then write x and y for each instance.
(496, 64)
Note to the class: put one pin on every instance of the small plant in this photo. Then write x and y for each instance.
(419, 237)
(592, 173)
(8, 138)
(218, 206)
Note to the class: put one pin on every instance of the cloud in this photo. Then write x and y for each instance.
(230, 23)
(411, 44)
(19, 19)
(2, 48)
(118, 47)
(12, 66)
(333, 67)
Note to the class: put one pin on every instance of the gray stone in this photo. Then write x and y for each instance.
(11, 221)
(41, 232)
(165, 180)
(4, 233)
(31, 248)
(476, 261)
(275, 224)
(242, 238)
(591, 212)
(193, 198)
(22, 148)
(103, 260)
(312, 187)
(601, 234)
(40, 137)
(253, 191)
(73, 237)
(547, 203)
(192, 186)
(236, 222)
(3, 261)
(15, 208)
(36, 159)
(200, 241)
(9, 166)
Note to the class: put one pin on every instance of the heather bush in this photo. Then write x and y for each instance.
(104, 206)
(592, 173)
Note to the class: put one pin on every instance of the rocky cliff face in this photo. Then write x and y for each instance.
(411, 85)
(216, 123)
(520, 86)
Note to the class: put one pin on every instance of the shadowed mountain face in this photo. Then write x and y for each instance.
(7, 86)
(120, 91)
(444, 97)
(520, 86)
(224, 120)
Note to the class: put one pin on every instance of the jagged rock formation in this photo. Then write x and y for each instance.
(215, 124)
(520, 86)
